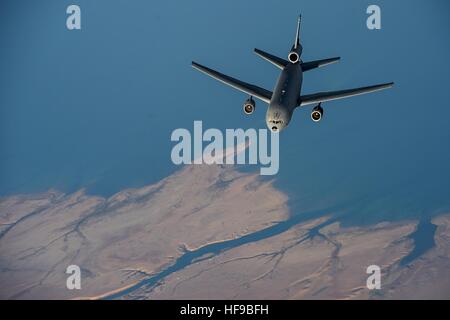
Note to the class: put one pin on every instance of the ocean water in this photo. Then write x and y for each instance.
(95, 108)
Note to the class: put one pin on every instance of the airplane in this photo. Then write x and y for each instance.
(286, 97)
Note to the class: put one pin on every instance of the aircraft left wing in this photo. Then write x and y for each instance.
(334, 95)
(255, 91)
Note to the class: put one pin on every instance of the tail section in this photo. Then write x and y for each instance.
(296, 51)
(294, 54)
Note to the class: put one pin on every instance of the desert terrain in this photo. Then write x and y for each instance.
(123, 241)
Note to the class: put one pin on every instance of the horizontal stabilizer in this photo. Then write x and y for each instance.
(334, 95)
(279, 62)
(257, 92)
(318, 63)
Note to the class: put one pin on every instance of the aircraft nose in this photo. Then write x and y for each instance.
(275, 125)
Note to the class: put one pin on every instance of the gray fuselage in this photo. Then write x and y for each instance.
(285, 97)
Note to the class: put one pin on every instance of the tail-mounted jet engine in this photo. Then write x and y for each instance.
(249, 106)
(317, 113)
(293, 56)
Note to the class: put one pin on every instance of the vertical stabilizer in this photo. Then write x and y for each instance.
(297, 34)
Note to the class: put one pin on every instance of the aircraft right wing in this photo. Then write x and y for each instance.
(255, 91)
(334, 95)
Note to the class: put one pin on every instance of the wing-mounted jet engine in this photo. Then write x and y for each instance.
(249, 106)
(317, 113)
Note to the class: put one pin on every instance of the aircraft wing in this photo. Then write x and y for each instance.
(334, 95)
(255, 91)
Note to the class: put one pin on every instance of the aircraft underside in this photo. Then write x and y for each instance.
(286, 97)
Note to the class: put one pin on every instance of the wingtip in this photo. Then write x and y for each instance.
(199, 67)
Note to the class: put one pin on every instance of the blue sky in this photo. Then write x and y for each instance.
(95, 108)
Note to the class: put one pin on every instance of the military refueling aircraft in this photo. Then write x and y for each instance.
(286, 97)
